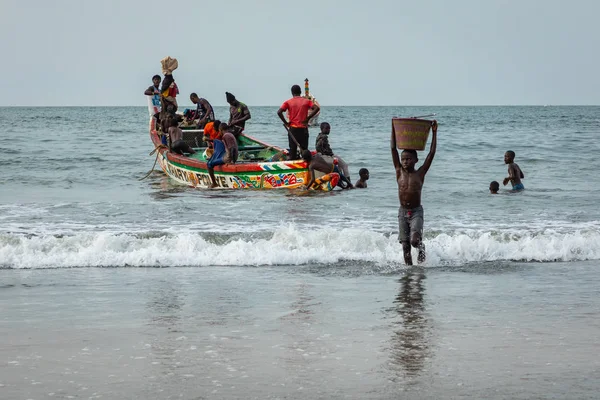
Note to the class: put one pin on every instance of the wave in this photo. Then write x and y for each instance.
(288, 245)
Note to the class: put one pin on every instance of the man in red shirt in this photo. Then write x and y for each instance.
(297, 108)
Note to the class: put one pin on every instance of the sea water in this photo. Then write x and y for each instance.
(116, 287)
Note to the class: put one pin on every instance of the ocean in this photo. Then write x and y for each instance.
(115, 287)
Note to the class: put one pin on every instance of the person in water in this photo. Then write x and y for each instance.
(317, 162)
(410, 184)
(298, 113)
(238, 114)
(322, 146)
(204, 111)
(494, 187)
(514, 172)
(364, 177)
(178, 146)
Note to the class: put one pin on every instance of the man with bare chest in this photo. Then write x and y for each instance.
(410, 183)
(318, 163)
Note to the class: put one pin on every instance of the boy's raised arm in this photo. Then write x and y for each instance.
(432, 148)
(395, 156)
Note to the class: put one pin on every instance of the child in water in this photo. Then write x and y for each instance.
(410, 183)
(514, 172)
(494, 187)
(364, 177)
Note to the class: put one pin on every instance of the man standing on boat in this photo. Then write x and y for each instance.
(204, 111)
(154, 90)
(297, 126)
(238, 115)
(153, 93)
(168, 102)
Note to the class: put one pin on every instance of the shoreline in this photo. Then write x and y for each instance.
(231, 332)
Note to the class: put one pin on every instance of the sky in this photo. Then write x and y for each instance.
(369, 52)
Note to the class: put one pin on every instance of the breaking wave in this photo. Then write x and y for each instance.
(289, 245)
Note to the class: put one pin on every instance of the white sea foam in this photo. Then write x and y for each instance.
(288, 245)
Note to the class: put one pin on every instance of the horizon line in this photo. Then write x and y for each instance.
(330, 105)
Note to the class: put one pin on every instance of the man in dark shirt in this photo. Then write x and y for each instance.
(322, 146)
(204, 111)
(238, 115)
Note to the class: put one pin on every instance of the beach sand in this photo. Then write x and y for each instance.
(495, 331)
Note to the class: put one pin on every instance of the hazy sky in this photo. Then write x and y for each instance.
(374, 52)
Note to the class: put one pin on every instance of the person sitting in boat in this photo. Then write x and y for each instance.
(211, 132)
(225, 151)
(238, 114)
(231, 145)
(211, 129)
(177, 145)
(317, 162)
(322, 146)
(204, 111)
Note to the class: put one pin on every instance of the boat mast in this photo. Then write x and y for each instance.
(306, 91)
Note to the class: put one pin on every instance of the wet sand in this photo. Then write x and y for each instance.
(494, 331)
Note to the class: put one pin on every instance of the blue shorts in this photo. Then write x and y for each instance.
(518, 186)
(218, 154)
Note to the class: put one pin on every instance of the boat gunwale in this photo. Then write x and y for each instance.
(243, 168)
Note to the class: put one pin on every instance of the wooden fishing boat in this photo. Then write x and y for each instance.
(255, 168)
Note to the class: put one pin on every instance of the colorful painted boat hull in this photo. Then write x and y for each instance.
(242, 175)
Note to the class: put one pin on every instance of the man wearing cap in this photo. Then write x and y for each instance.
(297, 108)
(238, 115)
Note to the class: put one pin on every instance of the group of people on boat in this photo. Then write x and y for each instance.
(300, 112)
(165, 97)
(222, 137)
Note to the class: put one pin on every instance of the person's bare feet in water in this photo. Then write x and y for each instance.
(421, 257)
